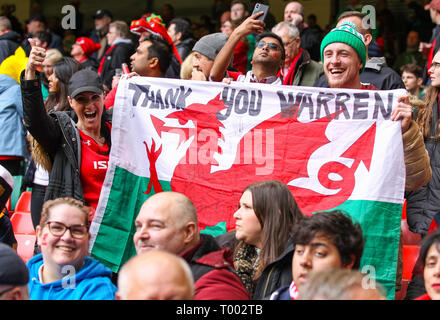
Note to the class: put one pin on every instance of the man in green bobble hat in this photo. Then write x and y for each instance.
(344, 55)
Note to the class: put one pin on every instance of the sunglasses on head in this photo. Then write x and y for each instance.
(270, 45)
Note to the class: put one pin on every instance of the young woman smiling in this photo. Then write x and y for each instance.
(74, 140)
(63, 270)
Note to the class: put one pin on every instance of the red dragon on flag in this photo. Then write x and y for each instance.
(215, 193)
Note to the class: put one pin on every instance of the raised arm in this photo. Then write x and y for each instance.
(35, 61)
(221, 62)
(41, 126)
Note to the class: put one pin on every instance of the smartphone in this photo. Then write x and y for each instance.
(260, 8)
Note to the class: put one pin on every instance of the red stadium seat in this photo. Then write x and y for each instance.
(24, 202)
(410, 255)
(25, 246)
(401, 294)
(404, 210)
(22, 223)
(409, 237)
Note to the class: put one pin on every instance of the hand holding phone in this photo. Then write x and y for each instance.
(260, 8)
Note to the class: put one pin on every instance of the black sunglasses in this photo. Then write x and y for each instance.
(270, 45)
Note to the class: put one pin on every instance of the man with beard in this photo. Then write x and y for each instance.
(268, 56)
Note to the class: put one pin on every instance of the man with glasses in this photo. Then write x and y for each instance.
(268, 56)
(14, 275)
(299, 69)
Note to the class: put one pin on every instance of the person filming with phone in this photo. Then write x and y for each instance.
(267, 60)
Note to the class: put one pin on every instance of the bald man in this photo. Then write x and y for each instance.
(310, 38)
(155, 275)
(168, 221)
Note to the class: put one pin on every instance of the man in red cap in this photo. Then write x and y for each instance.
(430, 49)
(82, 50)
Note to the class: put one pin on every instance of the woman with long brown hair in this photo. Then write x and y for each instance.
(424, 203)
(264, 222)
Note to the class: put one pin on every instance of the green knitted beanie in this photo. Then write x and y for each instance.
(346, 33)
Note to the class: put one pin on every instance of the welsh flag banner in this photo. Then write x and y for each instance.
(334, 149)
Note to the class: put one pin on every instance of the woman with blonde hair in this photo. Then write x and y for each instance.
(52, 56)
(186, 67)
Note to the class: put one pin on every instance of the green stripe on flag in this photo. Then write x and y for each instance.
(114, 242)
(380, 222)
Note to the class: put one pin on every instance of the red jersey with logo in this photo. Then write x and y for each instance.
(94, 162)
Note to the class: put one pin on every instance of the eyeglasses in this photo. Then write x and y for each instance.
(84, 100)
(270, 45)
(77, 231)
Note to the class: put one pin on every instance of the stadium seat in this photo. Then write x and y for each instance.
(404, 210)
(25, 246)
(22, 223)
(401, 294)
(24, 202)
(409, 237)
(410, 255)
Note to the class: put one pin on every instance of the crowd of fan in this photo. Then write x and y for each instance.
(62, 101)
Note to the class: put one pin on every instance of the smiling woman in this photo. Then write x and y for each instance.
(74, 140)
(63, 271)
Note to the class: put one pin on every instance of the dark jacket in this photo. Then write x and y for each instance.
(120, 54)
(91, 64)
(185, 47)
(173, 71)
(376, 73)
(281, 294)
(276, 275)
(56, 132)
(9, 42)
(213, 273)
(311, 41)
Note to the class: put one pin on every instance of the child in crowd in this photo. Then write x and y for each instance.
(412, 77)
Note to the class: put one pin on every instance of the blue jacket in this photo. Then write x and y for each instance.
(92, 282)
(282, 293)
(12, 133)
